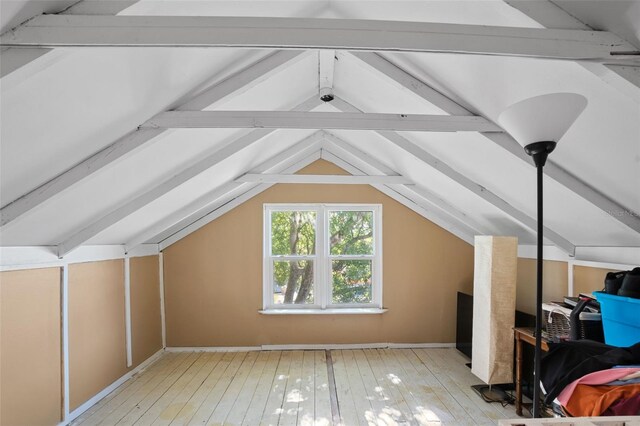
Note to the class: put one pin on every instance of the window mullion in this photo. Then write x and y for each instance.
(320, 253)
(328, 288)
(377, 261)
(267, 286)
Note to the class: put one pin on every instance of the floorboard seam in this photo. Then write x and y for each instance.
(333, 394)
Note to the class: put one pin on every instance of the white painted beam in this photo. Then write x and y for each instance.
(324, 179)
(311, 33)
(319, 120)
(326, 68)
(276, 163)
(631, 74)
(625, 79)
(222, 209)
(78, 238)
(202, 205)
(99, 7)
(348, 157)
(117, 150)
(477, 189)
(504, 140)
(126, 145)
(12, 59)
(484, 193)
(244, 79)
(404, 79)
(359, 158)
(392, 192)
(195, 216)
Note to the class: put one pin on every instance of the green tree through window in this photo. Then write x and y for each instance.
(340, 241)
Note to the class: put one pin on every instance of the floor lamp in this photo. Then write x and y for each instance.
(537, 124)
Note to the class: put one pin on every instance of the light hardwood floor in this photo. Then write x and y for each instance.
(364, 387)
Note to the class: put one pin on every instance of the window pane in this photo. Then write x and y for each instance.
(351, 232)
(293, 233)
(292, 282)
(351, 281)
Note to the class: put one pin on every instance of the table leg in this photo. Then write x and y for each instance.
(518, 375)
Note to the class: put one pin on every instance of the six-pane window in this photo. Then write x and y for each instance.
(322, 256)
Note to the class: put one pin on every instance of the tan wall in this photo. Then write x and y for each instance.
(146, 328)
(555, 281)
(213, 278)
(587, 279)
(30, 350)
(97, 351)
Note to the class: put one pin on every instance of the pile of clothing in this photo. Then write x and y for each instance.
(587, 378)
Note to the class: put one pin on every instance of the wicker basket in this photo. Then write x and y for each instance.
(556, 322)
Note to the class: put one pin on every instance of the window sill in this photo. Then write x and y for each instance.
(338, 311)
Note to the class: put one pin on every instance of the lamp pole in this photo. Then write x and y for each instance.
(536, 123)
(539, 151)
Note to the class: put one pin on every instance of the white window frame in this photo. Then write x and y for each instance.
(322, 285)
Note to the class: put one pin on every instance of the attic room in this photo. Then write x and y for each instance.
(319, 212)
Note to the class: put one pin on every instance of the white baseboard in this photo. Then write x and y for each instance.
(298, 347)
(328, 346)
(106, 391)
(421, 345)
(213, 348)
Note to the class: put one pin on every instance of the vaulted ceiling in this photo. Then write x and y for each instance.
(86, 158)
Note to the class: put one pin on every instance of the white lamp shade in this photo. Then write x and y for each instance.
(542, 118)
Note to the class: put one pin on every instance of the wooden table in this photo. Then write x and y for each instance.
(522, 334)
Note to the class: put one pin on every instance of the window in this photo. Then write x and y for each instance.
(322, 256)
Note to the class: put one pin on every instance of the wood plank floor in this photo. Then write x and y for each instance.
(372, 387)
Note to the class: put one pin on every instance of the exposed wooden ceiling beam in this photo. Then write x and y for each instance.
(127, 144)
(14, 58)
(481, 191)
(221, 208)
(626, 79)
(395, 192)
(206, 203)
(432, 207)
(319, 120)
(78, 238)
(326, 69)
(312, 33)
(447, 215)
(503, 140)
(324, 179)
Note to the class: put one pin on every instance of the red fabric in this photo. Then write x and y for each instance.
(625, 407)
(594, 400)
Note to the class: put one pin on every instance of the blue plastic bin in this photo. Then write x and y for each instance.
(620, 319)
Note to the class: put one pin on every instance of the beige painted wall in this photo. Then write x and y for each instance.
(30, 350)
(555, 281)
(30, 347)
(213, 278)
(97, 352)
(146, 328)
(587, 279)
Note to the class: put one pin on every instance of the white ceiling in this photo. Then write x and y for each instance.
(69, 104)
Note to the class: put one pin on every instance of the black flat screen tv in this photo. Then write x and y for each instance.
(464, 323)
